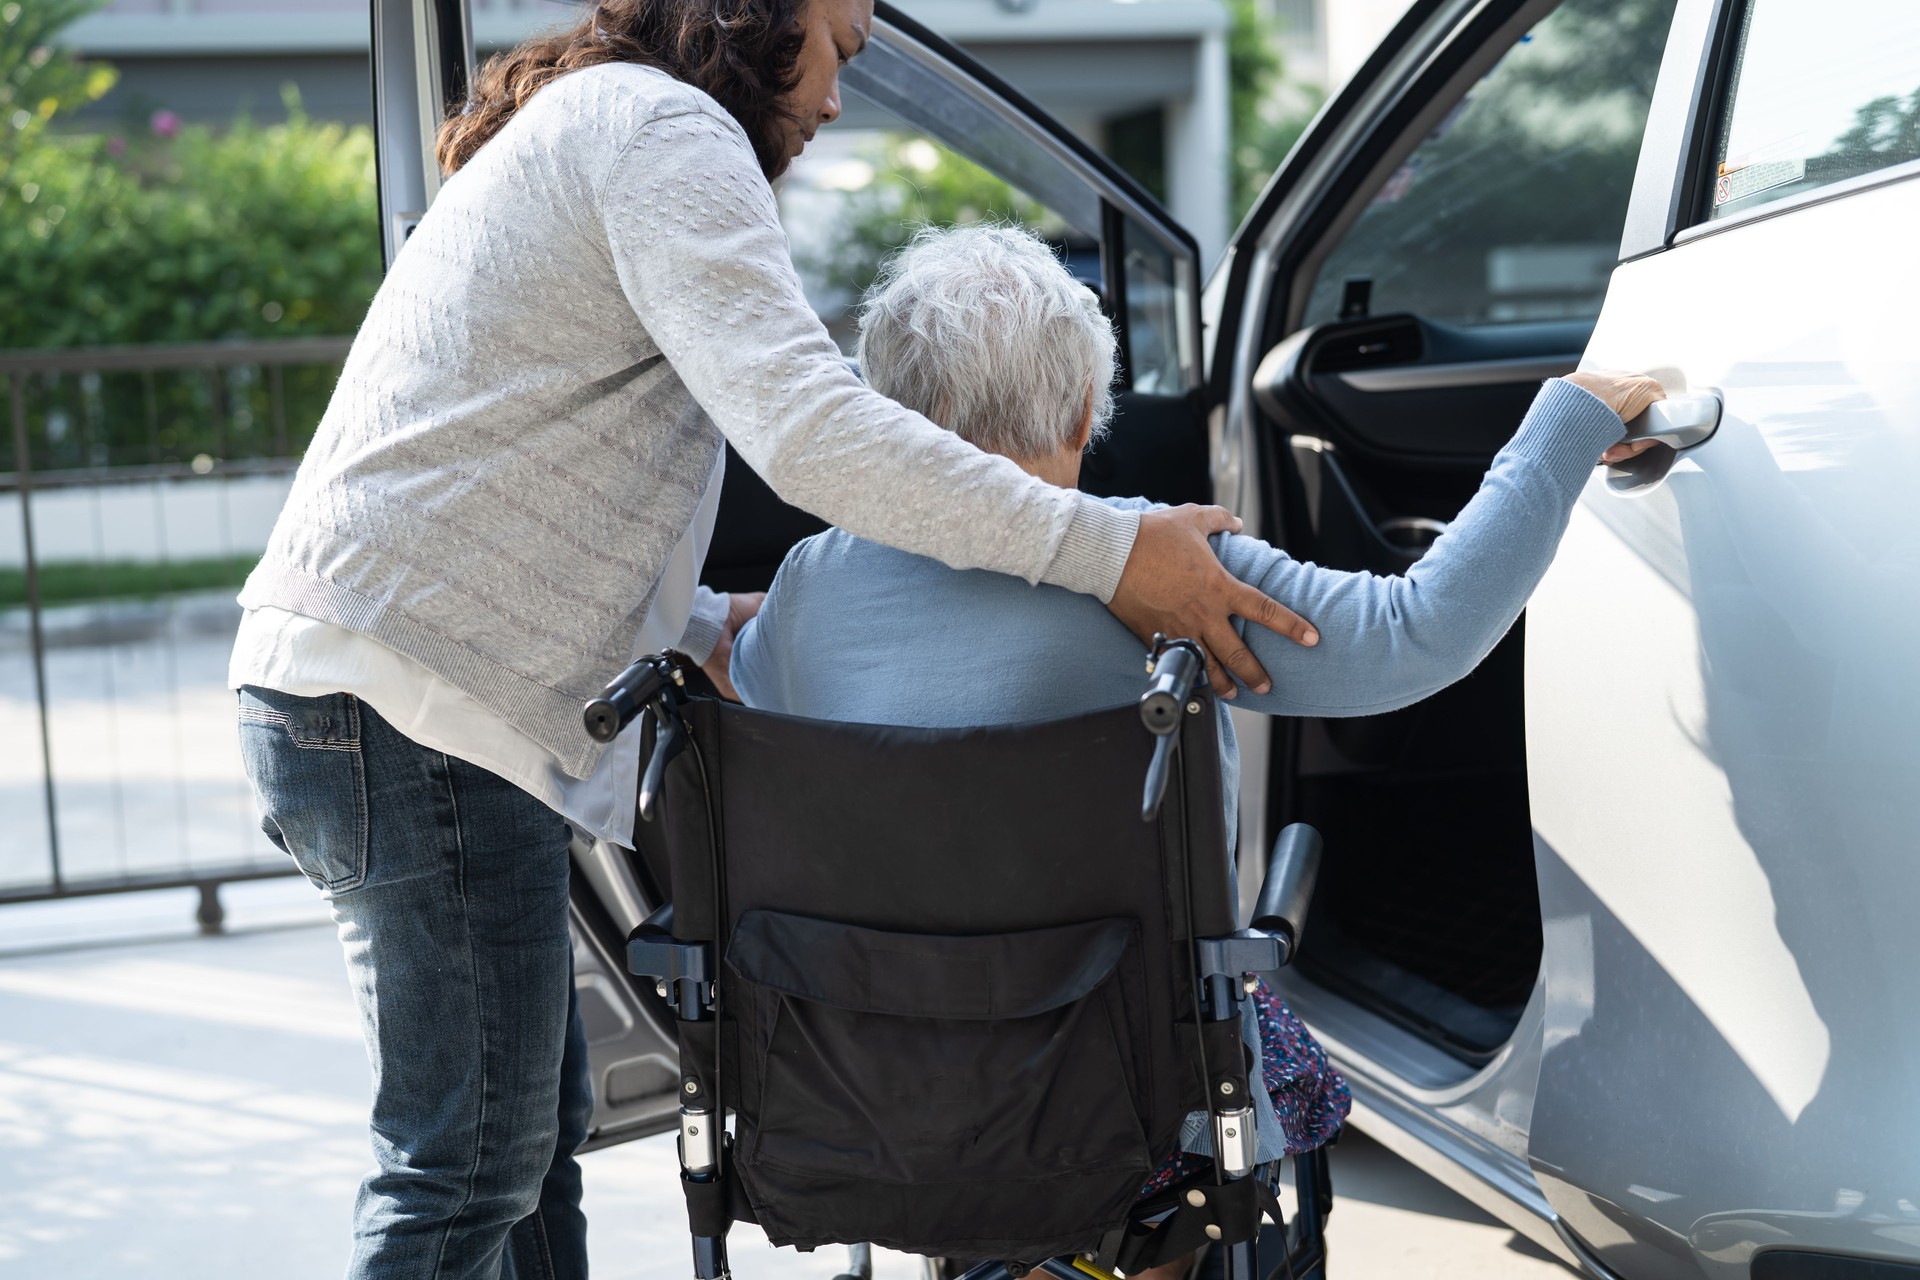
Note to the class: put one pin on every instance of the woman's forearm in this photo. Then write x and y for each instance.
(698, 246)
(1389, 641)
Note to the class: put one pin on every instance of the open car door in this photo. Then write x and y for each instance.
(1439, 242)
(908, 79)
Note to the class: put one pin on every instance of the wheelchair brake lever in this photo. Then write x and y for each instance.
(1158, 770)
(669, 741)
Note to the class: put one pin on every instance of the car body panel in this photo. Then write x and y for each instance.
(1722, 701)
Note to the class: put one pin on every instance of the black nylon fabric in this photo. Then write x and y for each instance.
(955, 1011)
(971, 977)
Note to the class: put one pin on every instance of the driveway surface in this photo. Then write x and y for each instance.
(177, 1106)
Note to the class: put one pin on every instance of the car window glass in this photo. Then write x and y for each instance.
(1158, 358)
(1821, 91)
(1511, 209)
(857, 195)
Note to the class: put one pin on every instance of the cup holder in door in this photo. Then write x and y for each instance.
(1411, 535)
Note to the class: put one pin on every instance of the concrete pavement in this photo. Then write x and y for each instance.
(175, 1106)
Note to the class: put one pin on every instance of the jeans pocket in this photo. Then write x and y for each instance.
(309, 777)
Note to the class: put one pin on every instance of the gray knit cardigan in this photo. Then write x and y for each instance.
(527, 418)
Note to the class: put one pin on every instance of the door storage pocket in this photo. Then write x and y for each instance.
(981, 1088)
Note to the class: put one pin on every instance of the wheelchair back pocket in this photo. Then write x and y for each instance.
(936, 1093)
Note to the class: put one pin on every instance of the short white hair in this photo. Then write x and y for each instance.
(983, 330)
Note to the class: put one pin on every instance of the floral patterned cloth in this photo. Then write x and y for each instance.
(1309, 1096)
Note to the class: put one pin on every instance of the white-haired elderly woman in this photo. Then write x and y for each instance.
(983, 331)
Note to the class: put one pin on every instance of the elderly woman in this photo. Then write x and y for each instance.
(983, 331)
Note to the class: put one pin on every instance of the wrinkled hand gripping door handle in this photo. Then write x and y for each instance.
(1678, 422)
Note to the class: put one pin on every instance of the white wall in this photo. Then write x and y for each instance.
(168, 520)
(1352, 28)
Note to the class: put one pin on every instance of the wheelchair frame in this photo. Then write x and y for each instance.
(1224, 1213)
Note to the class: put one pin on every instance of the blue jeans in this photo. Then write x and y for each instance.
(449, 887)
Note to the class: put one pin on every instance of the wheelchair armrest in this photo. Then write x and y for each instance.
(1292, 868)
(657, 925)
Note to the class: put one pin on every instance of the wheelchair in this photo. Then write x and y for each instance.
(958, 989)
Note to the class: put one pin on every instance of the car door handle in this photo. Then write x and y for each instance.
(1682, 421)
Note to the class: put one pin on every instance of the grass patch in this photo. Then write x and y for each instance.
(73, 581)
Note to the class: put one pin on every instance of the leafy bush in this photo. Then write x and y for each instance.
(181, 233)
(186, 235)
(38, 79)
(189, 234)
(1267, 114)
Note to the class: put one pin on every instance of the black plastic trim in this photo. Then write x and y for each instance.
(1709, 110)
(1113, 268)
(451, 19)
(380, 210)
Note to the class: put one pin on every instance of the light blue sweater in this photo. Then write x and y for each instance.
(854, 631)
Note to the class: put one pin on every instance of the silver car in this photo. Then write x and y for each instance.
(1617, 937)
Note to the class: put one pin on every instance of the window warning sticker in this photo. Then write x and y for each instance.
(1756, 171)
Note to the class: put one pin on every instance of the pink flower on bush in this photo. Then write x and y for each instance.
(165, 124)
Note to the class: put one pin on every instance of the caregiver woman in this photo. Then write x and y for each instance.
(511, 494)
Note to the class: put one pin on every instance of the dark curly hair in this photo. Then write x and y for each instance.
(741, 52)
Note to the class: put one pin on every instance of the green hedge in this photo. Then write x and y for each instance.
(69, 582)
(188, 234)
(184, 234)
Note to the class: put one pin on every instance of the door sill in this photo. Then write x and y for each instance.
(1403, 1087)
(1488, 1178)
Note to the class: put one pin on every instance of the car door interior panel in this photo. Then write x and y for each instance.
(1405, 330)
(1431, 914)
(1402, 389)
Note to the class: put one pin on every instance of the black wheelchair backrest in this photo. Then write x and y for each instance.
(956, 1007)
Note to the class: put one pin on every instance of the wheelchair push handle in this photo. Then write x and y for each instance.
(1175, 669)
(629, 693)
(1292, 869)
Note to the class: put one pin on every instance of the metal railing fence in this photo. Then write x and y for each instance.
(143, 483)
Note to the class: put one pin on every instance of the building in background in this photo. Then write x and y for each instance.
(1152, 72)
(1144, 79)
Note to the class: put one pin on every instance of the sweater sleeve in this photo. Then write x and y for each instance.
(1386, 642)
(697, 243)
(705, 623)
